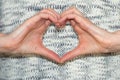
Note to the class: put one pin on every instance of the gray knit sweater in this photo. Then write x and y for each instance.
(104, 13)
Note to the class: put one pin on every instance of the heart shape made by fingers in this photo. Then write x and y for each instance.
(82, 36)
(60, 40)
(28, 37)
(86, 34)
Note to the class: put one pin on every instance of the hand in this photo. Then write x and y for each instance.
(92, 39)
(27, 38)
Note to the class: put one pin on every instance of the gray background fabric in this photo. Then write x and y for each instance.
(104, 13)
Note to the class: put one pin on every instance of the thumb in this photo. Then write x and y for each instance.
(49, 54)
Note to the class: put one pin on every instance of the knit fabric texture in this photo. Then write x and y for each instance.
(104, 13)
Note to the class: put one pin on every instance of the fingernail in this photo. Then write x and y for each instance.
(57, 24)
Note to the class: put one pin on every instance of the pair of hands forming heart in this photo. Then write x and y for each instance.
(27, 38)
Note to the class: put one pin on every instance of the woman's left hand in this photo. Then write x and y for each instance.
(27, 38)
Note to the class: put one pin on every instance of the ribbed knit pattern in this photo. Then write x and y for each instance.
(104, 13)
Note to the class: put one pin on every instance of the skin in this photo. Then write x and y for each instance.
(27, 38)
(92, 39)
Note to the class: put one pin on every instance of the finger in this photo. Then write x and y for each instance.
(48, 54)
(64, 14)
(77, 29)
(86, 25)
(44, 27)
(31, 23)
(44, 51)
(71, 10)
(57, 14)
(72, 22)
(80, 32)
(47, 16)
(52, 12)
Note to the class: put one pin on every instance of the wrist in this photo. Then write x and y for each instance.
(115, 44)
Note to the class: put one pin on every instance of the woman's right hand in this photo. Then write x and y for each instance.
(27, 38)
(92, 39)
